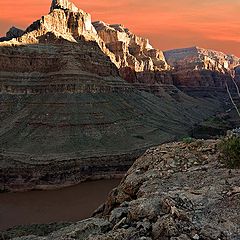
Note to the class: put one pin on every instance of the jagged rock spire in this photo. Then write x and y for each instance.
(63, 4)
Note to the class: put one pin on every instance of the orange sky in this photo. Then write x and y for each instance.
(168, 24)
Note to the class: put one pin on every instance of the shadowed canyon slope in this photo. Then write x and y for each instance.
(66, 112)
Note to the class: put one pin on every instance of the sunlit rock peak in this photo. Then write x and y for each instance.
(63, 4)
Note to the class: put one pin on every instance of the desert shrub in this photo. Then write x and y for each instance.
(230, 149)
(187, 140)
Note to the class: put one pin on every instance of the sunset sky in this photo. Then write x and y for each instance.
(213, 24)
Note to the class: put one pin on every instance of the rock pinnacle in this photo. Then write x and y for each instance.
(63, 4)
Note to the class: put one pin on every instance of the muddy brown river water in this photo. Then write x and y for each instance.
(67, 204)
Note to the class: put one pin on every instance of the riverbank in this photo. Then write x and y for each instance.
(52, 187)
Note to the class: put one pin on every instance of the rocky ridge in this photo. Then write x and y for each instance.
(64, 5)
(177, 191)
(198, 67)
(133, 54)
(196, 58)
(65, 20)
(138, 62)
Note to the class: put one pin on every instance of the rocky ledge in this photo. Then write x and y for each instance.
(177, 191)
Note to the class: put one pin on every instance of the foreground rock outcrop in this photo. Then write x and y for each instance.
(177, 191)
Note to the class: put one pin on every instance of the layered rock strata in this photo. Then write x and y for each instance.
(201, 68)
(196, 58)
(137, 60)
(191, 69)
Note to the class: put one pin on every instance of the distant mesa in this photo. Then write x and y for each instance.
(201, 58)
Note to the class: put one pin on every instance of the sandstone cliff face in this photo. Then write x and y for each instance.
(130, 50)
(137, 60)
(196, 58)
(64, 5)
(65, 20)
(143, 66)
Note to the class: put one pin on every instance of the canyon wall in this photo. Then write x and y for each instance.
(143, 66)
(66, 115)
(201, 68)
(136, 59)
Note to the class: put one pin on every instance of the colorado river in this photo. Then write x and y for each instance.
(68, 204)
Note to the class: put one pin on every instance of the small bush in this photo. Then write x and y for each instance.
(230, 149)
(187, 140)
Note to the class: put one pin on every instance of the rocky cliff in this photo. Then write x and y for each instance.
(196, 58)
(137, 60)
(65, 20)
(130, 50)
(198, 67)
(176, 191)
(143, 66)
(66, 115)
